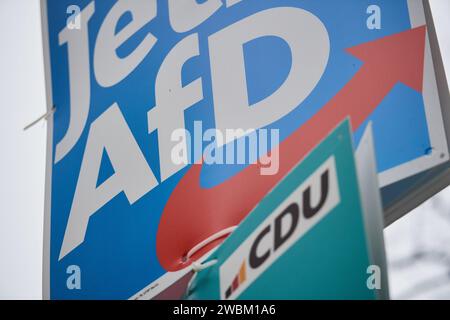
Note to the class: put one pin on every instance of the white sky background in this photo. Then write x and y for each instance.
(22, 157)
(22, 168)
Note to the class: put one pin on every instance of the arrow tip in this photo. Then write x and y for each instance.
(401, 56)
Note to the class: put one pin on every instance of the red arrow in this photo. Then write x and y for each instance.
(192, 213)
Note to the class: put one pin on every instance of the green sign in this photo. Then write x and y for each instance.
(307, 239)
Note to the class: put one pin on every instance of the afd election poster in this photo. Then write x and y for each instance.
(173, 119)
(314, 236)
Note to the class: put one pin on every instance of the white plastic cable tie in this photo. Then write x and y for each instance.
(208, 240)
(197, 266)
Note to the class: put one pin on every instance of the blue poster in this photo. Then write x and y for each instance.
(173, 118)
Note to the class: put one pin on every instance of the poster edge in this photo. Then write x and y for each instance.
(372, 209)
(49, 154)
